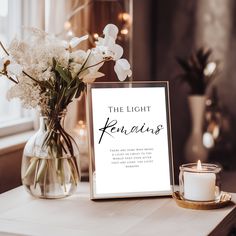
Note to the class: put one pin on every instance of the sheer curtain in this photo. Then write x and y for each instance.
(15, 15)
(49, 15)
(10, 22)
(33, 14)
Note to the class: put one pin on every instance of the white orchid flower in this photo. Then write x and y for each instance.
(75, 68)
(122, 69)
(74, 42)
(91, 77)
(107, 45)
(111, 30)
(94, 62)
(78, 56)
(117, 51)
(109, 48)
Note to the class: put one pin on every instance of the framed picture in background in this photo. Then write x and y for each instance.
(130, 139)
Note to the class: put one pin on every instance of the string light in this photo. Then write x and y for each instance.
(124, 31)
(125, 17)
(81, 128)
(67, 25)
(95, 36)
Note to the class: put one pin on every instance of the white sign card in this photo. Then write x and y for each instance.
(130, 139)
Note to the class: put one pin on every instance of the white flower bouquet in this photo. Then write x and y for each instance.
(48, 73)
(44, 65)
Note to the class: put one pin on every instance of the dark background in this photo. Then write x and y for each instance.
(166, 29)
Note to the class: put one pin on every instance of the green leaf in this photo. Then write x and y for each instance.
(194, 67)
(47, 85)
(185, 66)
(54, 63)
(64, 73)
(80, 89)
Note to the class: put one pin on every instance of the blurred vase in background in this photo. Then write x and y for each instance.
(199, 70)
(194, 148)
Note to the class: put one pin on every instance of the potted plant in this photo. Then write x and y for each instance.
(199, 72)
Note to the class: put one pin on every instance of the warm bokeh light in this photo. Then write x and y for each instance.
(208, 140)
(67, 25)
(70, 33)
(124, 16)
(124, 31)
(81, 128)
(95, 36)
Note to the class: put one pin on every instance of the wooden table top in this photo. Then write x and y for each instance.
(21, 214)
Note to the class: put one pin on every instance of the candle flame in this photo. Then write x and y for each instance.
(199, 165)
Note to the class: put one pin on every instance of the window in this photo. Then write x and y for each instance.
(13, 118)
(28, 13)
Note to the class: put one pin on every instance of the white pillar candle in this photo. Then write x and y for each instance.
(199, 186)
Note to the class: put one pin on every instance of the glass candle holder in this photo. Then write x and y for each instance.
(199, 182)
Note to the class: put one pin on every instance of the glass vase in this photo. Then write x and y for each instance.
(49, 167)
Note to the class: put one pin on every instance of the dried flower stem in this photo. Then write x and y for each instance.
(4, 49)
(10, 78)
(107, 59)
(14, 81)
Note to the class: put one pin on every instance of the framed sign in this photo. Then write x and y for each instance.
(130, 139)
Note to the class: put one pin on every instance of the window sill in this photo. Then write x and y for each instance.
(21, 125)
(14, 142)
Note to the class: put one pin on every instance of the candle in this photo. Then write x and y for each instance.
(199, 182)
